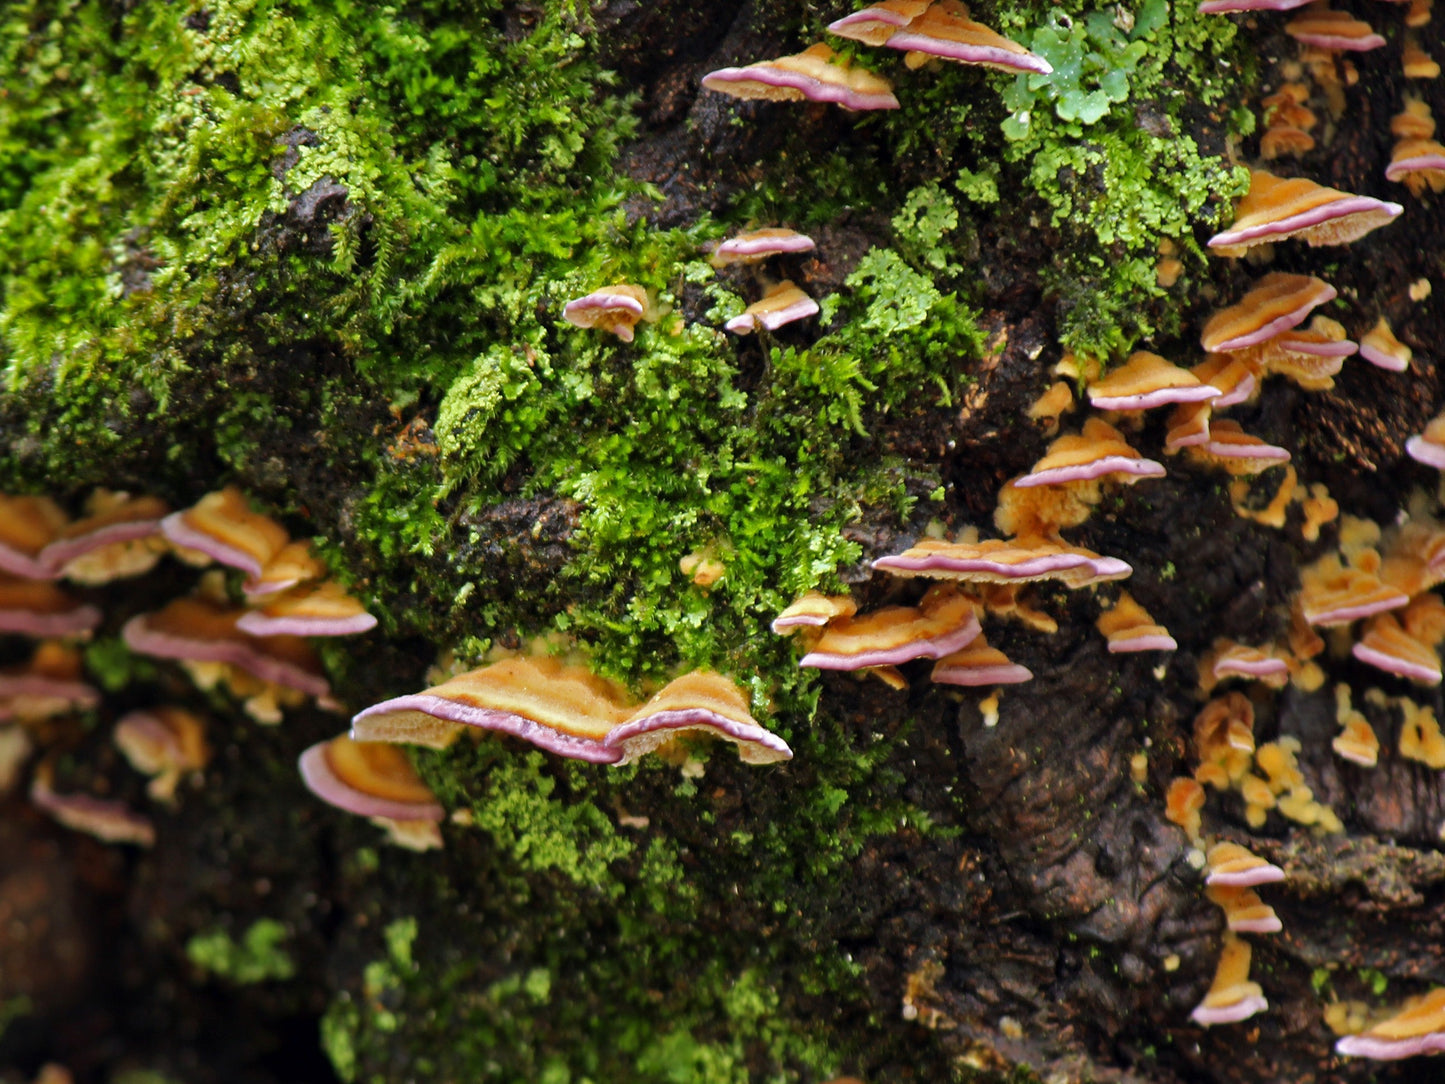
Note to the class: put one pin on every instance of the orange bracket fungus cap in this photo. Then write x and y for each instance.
(1128, 627)
(164, 742)
(27, 526)
(294, 563)
(1276, 303)
(813, 610)
(613, 308)
(782, 304)
(1379, 347)
(1098, 451)
(1277, 207)
(1233, 865)
(37, 608)
(111, 542)
(979, 664)
(1146, 381)
(815, 74)
(759, 245)
(370, 779)
(1231, 997)
(1337, 31)
(941, 623)
(323, 609)
(222, 526)
(108, 821)
(1418, 1028)
(946, 31)
(876, 24)
(702, 701)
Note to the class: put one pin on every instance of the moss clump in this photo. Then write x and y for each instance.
(260, 955)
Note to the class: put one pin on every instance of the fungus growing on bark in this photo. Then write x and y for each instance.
(165, 743)
(323, 609)
(781, 304)
(49, 684)
(1146, 381)
(1099, 451)
(107, 821)
(615, 308)
(1276, 303)
(1276, 208)
(1420, 737)
(1337, 31)
(813, 610)
(1429, 446)
(1235, 866)
(40, 609)
(701, 702)
(1332, 593)
(222, 526)
(1244, 911)
(1287, 122)
(1273, 513)
(1356, 741)
(1048, 407)
(563, 709)
(293, 564)
(370, 779)
(1418, 14)
(1379, 347)
(27, 526)
(1389, 647)
(1418, 1028)
(1311, 356)
(1231, 996)
(119, 538)
(1238, 452)
(758, 245)
(1224, 740)
(943, 621)
(1319, 508)
(946, 31)
(1418, 164)
(1418, 64)
(998, 561)
(815, 74)
(1182, 806)
(978, 664)
(1228, 659)
(1228, 7)
(1128, 627)
(876, 24)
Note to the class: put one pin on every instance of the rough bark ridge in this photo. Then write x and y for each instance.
(322, 254)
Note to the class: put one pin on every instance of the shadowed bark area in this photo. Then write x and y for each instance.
(920, 894)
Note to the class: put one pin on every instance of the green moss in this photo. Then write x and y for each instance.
(260, 956)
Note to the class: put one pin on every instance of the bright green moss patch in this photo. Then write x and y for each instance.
(259, 956)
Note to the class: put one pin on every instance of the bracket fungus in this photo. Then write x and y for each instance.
(978, 664)
(164, 742)
(27, 526)
(1429, 447)
(1332, 593)
(1128, 627)
(781, 304)
(945, 31)
(1234, 866)
(107, 820)
(1000, 561)
(816, 74)
(1229, 7)
(701, 701)
(613, 308)
(876, 24)
(49, 684)
(1418, 163)
(813, 610)
(40, 609)
(563, 709)
(370, 779)
(222, 526)
(1337, 31)
(1146, 381)
(120, 538)
(758, 245)
(943, 621)
(1275, 208)
(1231, 996)
(1379, 347)
(1387, 646)
(293, 564)
(1276, 303)
(1099, 451)
(1244, 911)
(1418, 1028)
(323, 609)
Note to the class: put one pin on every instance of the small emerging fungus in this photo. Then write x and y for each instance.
(814, 74)
(165, 743)
(1146, 381)
(563, 709)
(780, 305)
(943, 622)
(1276, 303)
(1420, 737)
(1276, 208)
(613, 308)
(1379, 347)
(702, 702)
(324, 609)
(1231, 997)
(222, 526)
(1337, 31)
(1182, 806)
(759, 245)
(946, 31)
(1418, 1028)
(1128, 627)
(1418, 64)
(1356, 741)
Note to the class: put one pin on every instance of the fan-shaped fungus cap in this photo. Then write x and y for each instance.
(1417, 163)
(48, 685)
(1418, 64)
(782, 304)
(370, 779)
(294, 563)
(758, 245)
(1128, 627)
(613, 308)
(1276, 303)
(193, 630)
(1429, 446)
(1231, 864)
(1390, 648)
(1146, 381)
(1311, 356)
(108, 821)
(323, 609)
(1418, 14)
(1418, 1028)
(1244, 911)
(1324, 28)
(164, 742)
(979, 664)
(1231, 997)
(1230, 447)
(1357, 741)
(222, 526)
(813, 610)
(566, 710)
(1097, 452)
(999, 561)
(941, 623)
(702, 701)
(1333, 594)
(813, 74)
(1228, 7)
(1379, 347)
(876, 24)
(1182, 805)
(27, 526)
(1229, 659)
(103, 546)
(37, 608)
(1277, 207)
(946, 31)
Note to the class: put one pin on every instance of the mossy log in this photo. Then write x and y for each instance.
(321, 251)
